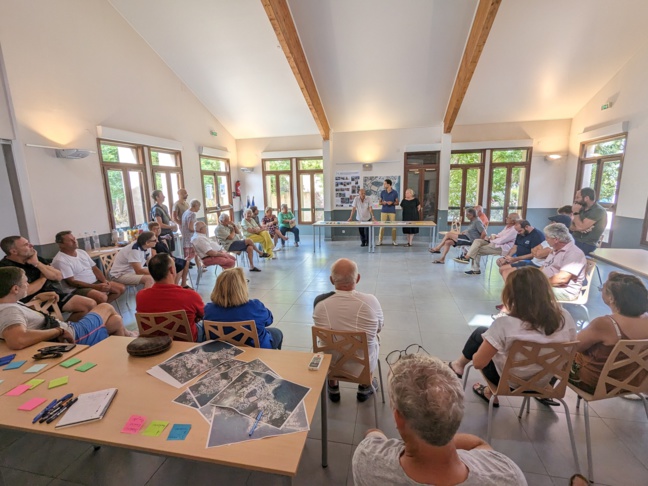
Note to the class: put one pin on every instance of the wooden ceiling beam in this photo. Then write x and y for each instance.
(481, 26)
(282, 22)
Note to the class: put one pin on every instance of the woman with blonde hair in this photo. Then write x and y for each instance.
(534, 315)
(411, 212)
(230, 302)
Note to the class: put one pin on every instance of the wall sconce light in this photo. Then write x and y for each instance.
(247, 170)
(62, 153)
(553, 157)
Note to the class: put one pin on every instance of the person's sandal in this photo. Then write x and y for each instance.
(479, 391)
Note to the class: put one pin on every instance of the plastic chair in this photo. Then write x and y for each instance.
(345, 346)
(174, 324)
(555, 360)
(585, 289)
(48, 307)
(239, 334)
(625, 353)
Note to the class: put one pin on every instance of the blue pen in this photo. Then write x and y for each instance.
(53, 409)
(256, 422)
(45, 410)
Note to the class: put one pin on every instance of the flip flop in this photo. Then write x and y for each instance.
(434, 251)
(549, 402)
(479, 391)
(439, 262)
(449, 363)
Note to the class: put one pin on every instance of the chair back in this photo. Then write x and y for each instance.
(455, 225)
(585, 289)
(555, 360)
(625, 371)
(350, 360)
(48, 307)
(174, 324)
(107, 260)
(236, 333)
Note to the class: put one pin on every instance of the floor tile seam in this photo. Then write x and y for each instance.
(620, 439)
(53, 478)
(148, 481)
(89, 448)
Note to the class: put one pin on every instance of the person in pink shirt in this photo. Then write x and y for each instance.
(566, 264)
(496, 244)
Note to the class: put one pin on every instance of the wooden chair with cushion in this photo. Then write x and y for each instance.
(585, 290)
(626, 353)
(174, 324)
(199, 269)
(556, 361)
(345, 346)
(239, 334)
(47, 307)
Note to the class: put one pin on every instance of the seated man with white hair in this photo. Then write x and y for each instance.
(346, 309)
(210, 252)
(566, 265)
(229, 236)
(427, 401)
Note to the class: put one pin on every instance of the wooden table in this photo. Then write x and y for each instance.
(634, 261)
(13, 378)
(141, 394)
(104, 250)
(371, 225)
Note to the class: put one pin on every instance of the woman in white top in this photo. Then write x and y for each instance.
(534, 315)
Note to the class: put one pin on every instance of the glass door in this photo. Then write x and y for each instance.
(422, 176)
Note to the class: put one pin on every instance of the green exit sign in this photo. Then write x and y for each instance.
(213, 133)
(605, 106)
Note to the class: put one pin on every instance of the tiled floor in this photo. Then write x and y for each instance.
(434, 305)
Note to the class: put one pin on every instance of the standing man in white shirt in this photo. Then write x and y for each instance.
(362, 204)
(80, 273)
(346, 309)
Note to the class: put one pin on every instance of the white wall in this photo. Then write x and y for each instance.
(72, 66)
(628, 92)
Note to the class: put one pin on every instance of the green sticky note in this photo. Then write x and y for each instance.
(58, 382)
(34, 383)
(85, 366)
(70, 362)
(155, 428)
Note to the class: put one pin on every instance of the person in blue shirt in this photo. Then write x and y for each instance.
(389, 201)
(521, 253)
(230, 302)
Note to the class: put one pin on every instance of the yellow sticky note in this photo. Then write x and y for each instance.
(155, 428)
(58, 382)
(34, 383)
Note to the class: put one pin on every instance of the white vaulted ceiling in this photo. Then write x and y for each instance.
(381, 64)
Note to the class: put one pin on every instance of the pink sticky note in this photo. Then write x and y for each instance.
(31, 404)
(134, 424)
(19, 390)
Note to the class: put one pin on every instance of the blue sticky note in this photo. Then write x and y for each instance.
(14, 365)
(179, 432)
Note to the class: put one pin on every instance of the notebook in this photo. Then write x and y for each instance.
(88, 408)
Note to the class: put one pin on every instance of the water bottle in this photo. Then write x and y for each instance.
(95, 240)
(114, 237)
(88, 240)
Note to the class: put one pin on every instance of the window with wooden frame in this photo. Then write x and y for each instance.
(216, 184)
(599, 167)
(277, 182)
(124, 174)
(166, 169)
(466, 171)
(508, 186)
(310, 187)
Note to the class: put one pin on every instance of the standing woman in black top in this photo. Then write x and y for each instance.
(160, 214)
(411, 212)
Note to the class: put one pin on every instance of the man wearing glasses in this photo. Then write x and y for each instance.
(346, 309)
(128, 267)
(428, 405)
